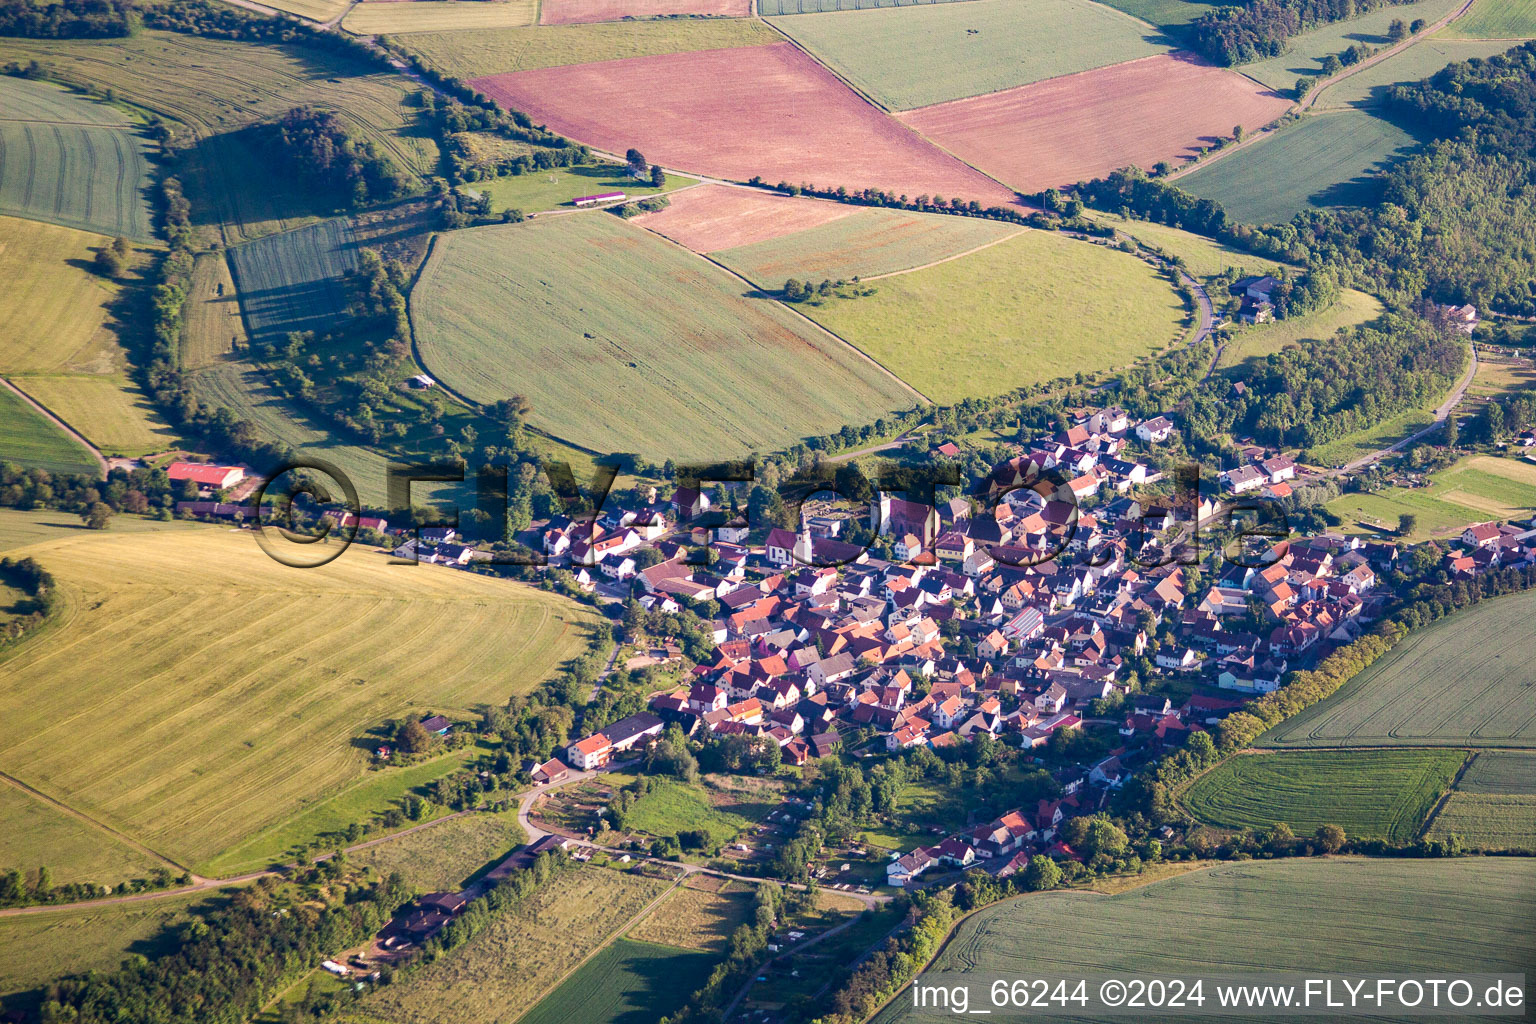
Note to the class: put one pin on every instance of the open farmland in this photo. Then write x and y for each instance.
(294, 281)
(498, 50)
(1496, 19)
(915, 56)
(1304, 53)
(577, 12)
(540, 191)
(368, 19)
(216, 87)
(1028, 310)
(1203, 257)
(697, 919)
(638, 345)
(72, 161)
(445, 856)
(769, 111)
(314, 10)
(869, 243)
(37, 833)
(627, 983)
(1345, 915)
(1368, 87)
(1377, 794)
(1085, 125)
(1494, 803)
(211, 323)
(29, 439)
(1323, 160)
(108, 409)
(546, 935)
(1477, 488)
(1168, 14)
(1464, 680)
(714, 217)
(212, 692)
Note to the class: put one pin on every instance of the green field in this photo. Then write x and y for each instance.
(37, 834)
(367, 19)
(698, 919)
(544, 936)
(108, 409)
(1169, 14)
(910, 57)
(553, 189)
(70, 160)
(216, 87)
(1465, 680)
(1500, 772)
(444, 857)
(1344, 450)
(1475, 489)
(1253, 342)
(294, 281)
(1375, 794)
(863, 244)
(1323, 160)
(1496, 19)
(1350, 916)
(496, 50)
(1505, 822)
(1029, 310)
(30, 439)
(1368, 87)
(671, 807)
(774, 8)
(627, 983)
(1203, 257)
(1304, 53)
(211, 323)
(213, 693)
(623, 341)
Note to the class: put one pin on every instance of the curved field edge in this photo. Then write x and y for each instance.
(1432, 674)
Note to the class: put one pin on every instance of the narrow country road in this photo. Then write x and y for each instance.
(1445, 410)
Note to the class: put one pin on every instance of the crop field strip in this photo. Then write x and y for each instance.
(1370, 794)
(37, 832)
(28, 438)
(1494, 803)
(578, 12)
(1304, 53)
(1027, 310)
(546, 935)
(1496, 19)
(1456, 682)
(247, 681)
(71, 161)
(1080, 126)
(1344, 915)
(293, 281)
(627, 981)
(768, 111)
(366, 19)
(641, 346)
(1324, 160)
(915, 56)
(1478, 487)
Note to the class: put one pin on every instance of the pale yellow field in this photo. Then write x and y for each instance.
(196, 691)
(211, 321)
(314, 10)
(107, 408)
(367, 19)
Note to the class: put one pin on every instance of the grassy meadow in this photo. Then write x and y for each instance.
(774, 8)
(671, 807)
(1253, 342)
(1464, 680)
(19, 529)
(623, 341)
(1507, 20)
(211, 322)
(1028, 310)
(864, 244)
(369, 19)
(907, 57)
(444, 857)
(1344, 450)
(1168, 14)
(108, 409)
(545, 937)
(1203, 257)
(628, 982)
(696, 919)
(1304, 53)
(539, 191)
(1494, 803)
(1369, 86)
(1323, 160)
(28, 438)
(497, 50)
(1476, 489)
(215, 693)
(71, 160)
(1377, 794)
(1345, 915)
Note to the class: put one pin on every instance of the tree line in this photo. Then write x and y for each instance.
(67, 19)
(1260, 28)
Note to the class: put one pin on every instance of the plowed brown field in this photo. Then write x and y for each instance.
(1085, 125)
(761, 110)
(580, 12)
(714, 217)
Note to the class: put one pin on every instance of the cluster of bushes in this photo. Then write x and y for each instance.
(67, 19)
(625, 211)
(469, 159)
(41, 601)
(18, 890)
(318, 151)
(796, 290)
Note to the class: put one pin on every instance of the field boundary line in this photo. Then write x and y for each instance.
(95, 823)
(52, 417)
(1445, 798)
(959, 255)
(795, 312)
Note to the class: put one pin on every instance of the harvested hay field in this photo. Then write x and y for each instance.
(1371, 794)
(1350, 915)
(1466, 680)
(580, 12)
(500, 50)
(867, 244)
(1368, 87)
(1305, 51)
(769, 111)
(203, 692)
(774, 8)
(1085, 125)
(69, 160)
(916, 56)
(545, 936)
(375, 18)
(74, 850)
(639, 345)
(714, 217)
(211, 323)
(1028, 310)
(1324, 160)
(109, 409)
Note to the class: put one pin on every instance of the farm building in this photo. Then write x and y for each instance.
(601, 197)
(205, 476)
